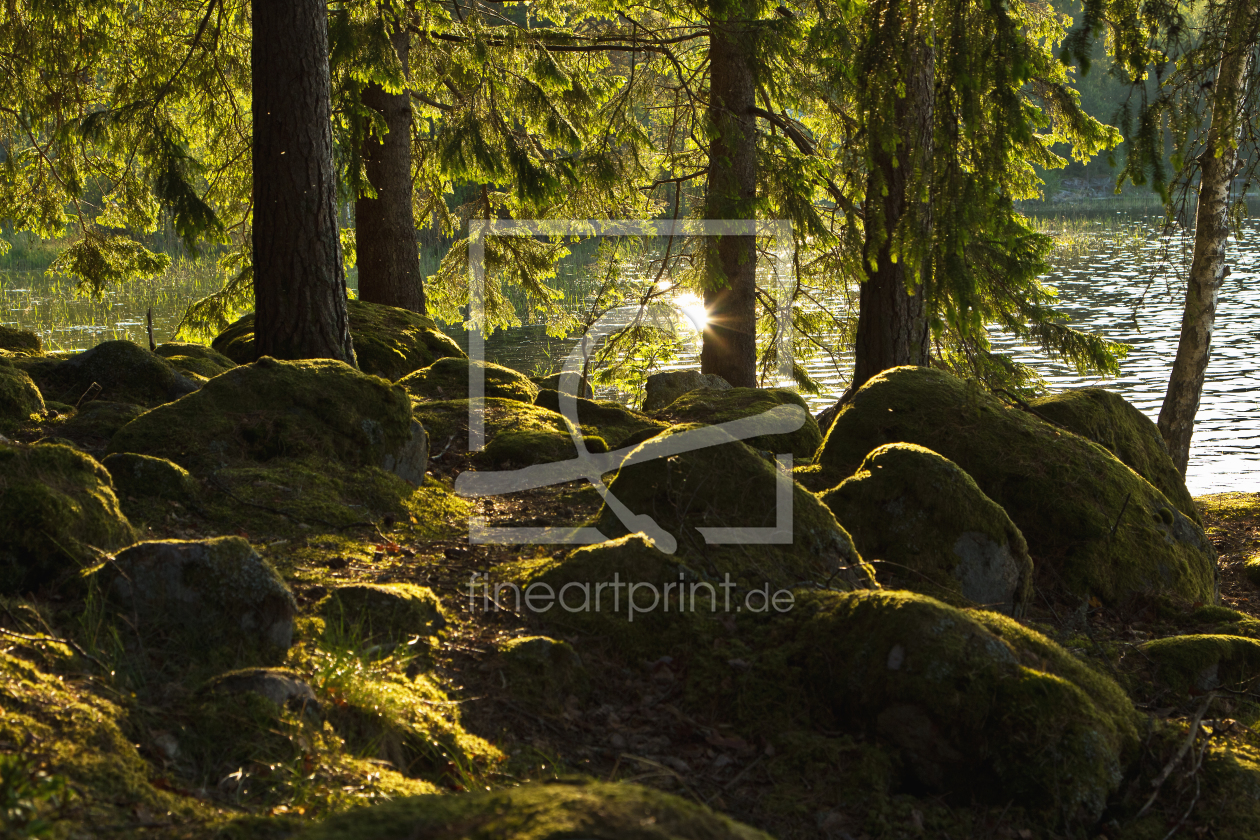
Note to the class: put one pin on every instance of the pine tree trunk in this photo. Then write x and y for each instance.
(892, 321)
(385, 230)
(1207, 268)
(299, 282)
(729, 347)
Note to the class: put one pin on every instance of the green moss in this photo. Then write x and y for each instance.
(388, 342)
(1093, 525)
(933, 528)
(604, 418)
(962, 699)
(1111, 422)
(1199, 663)
(542, 672)
(516, 434)
(59, 512)
(712, 407)
(539, 812)
(447, 379)
(94, 423)
(125, 371)
(733, 486)
(198, 359)
(20, 401)
(1251, 569)
(145, 476)
(78, 736)
(384, 614)
(273, 409)
(20, 342)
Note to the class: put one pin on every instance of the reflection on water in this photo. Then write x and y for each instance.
(1123, 289)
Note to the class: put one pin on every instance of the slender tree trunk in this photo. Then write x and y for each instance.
(729, 347)
(892, 324)
(299, 282)
(1207, 268)
(385, 230)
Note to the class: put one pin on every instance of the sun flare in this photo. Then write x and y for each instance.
(693, 307)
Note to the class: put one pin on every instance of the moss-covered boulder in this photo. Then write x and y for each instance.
(516, 434)
(971, 702)
(125, 372)
(551, 382)
(607, 419)
(388, 342)
(58, 513)
(541, 671)
(195, 359)
(213, 595)
(927, 527)
(538, 812)
(272, 409)
(447, 379)
(663, 388)
(285, 688)
(711, 407)
(1093, 525)
(1111, 422)
(144, 476)
(383, 614)
(20, 342)
(1199, 663)
(20, 401)
(94, 423)
(733, 487)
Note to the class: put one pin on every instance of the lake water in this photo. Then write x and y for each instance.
(1123, 288)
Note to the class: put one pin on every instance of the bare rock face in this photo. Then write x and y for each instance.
(218, 592)
(664, 388)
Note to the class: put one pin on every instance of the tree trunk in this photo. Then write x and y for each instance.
(385, 230)
(892, 326)
(729, 347)
(1207, 268)
(299, 282)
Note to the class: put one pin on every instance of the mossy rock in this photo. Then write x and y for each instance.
(1199, 663)
(126, 372)
(541, 671)
(732, 486)
(661, 389)
(388, 342)
(195, 359)
(95, 422)
(144, 476)
(20, 401)
(711, 407)
(606, 419)
(283, 687)
(78, 736)
(59, 513)
(552, 382)
(1111, 422)
(538, 812)
(383, 614)
(1251, 568)
(971, 703)
(447, 379)
(271, 409)
(1093, 525)
(20, 342)
(933, 528)
(207, 595)
(516, 434)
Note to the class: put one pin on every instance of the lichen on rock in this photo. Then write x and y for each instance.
(447, 379)
(927, 527)
(59, 513)
(388, 342)
(1094, 527)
